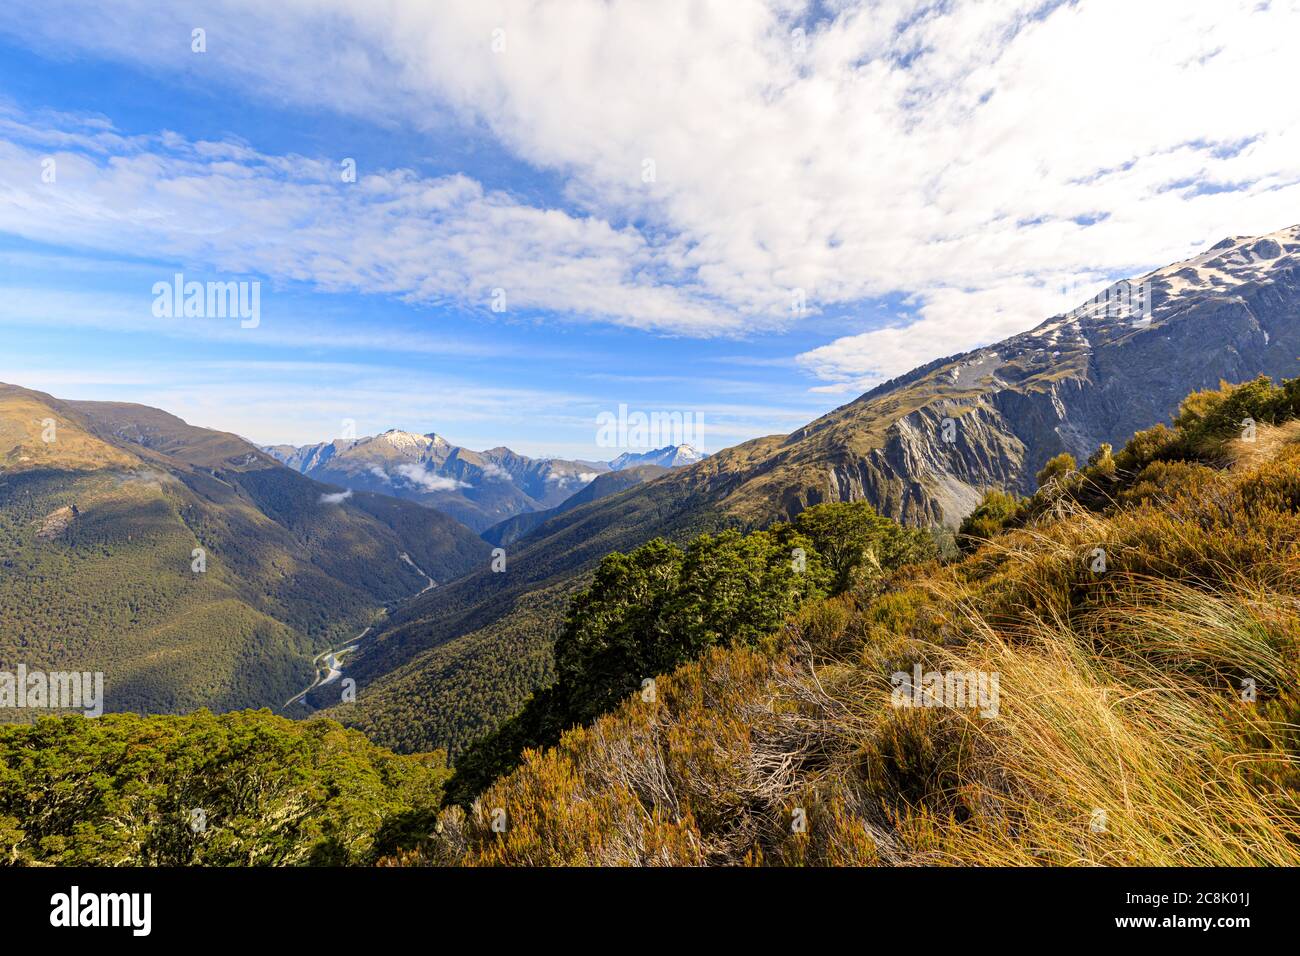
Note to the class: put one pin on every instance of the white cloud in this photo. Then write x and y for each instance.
(581, 478)
(337, 498)
(229, 208)
(951, 321)
(420, 476)
(967, 155)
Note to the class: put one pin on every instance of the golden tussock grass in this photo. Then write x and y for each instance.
(1146, 713)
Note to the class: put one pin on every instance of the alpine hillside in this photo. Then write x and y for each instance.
(922, 448)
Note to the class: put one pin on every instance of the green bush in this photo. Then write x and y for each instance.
(996, 510)
(651, 610)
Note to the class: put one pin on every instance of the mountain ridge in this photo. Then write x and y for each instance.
(1073, 382)
(186, 565)
(670, 456)
(480, 489)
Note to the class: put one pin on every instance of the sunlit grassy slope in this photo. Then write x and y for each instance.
(1148, 708)
(34, 435)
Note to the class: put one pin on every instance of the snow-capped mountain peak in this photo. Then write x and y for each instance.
(670, 456)
(477, 488)
(404, 440)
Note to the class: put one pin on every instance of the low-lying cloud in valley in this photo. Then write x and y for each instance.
(422, 477)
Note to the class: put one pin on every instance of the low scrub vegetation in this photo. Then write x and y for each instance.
(1139, 618)
(660, 606)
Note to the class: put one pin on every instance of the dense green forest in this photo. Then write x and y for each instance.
(462, 689)
(455, 663)
(98, 565)
(246, 789)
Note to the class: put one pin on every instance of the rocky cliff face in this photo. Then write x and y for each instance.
(924, 447)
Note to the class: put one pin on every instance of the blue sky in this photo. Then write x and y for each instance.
(529, 380)
(923, 179)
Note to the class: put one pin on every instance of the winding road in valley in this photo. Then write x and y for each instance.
(328, 664)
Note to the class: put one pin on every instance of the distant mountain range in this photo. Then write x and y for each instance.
(612, 482)
(477, 488)
(921, 448)
(97, 527)
(184, 564)
(670, 456)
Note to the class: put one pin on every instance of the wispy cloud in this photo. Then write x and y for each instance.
(291, 327)
(225, 207)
